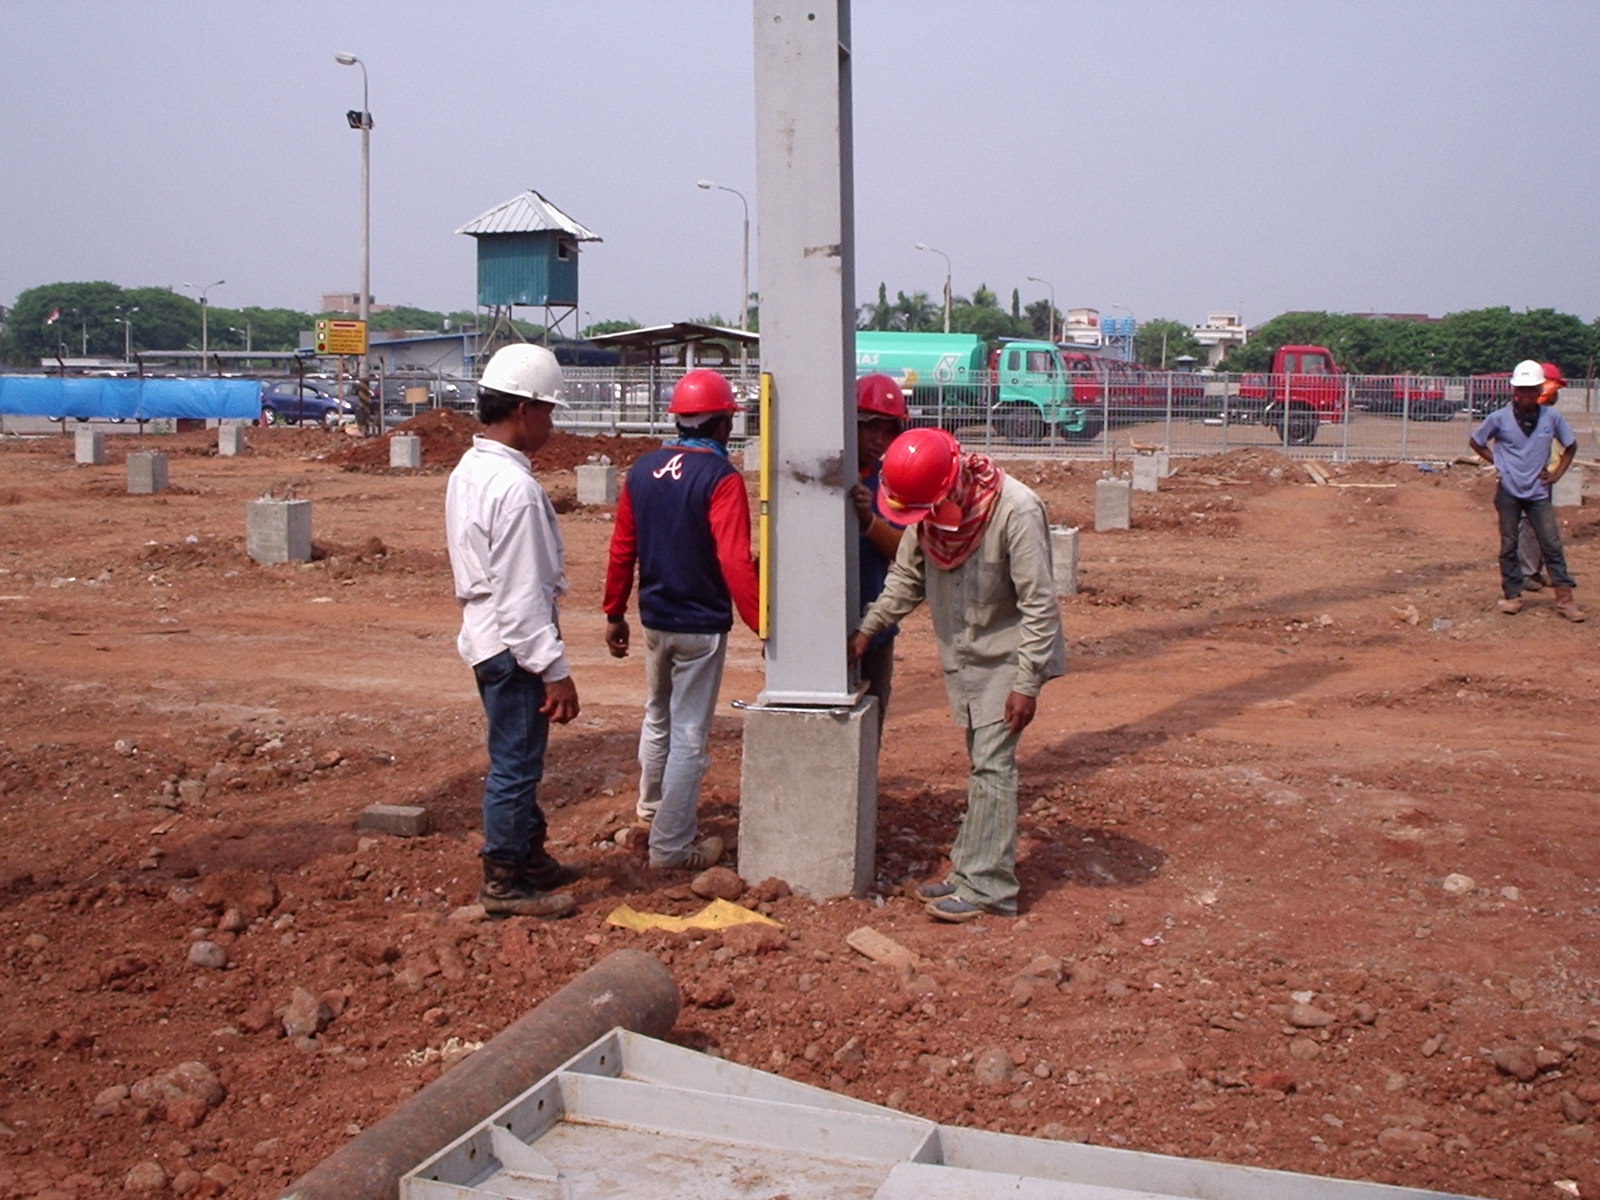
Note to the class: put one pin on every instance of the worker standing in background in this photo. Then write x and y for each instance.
(981, 561)
(880, 418)
(684, 519)
(1523, 433)
(1528, 551)
(507, 560)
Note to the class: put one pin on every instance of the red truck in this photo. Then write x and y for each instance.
(1415, 396)
(1304, 391)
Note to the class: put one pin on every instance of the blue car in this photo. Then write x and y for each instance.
(293, 402)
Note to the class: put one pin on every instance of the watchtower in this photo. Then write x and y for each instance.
(528, 256)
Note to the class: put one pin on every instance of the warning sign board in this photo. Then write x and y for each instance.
(341, 337)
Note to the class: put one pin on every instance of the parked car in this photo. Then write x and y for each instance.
(293, 402)
(405, 395)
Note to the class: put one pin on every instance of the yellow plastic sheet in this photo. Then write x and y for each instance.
(719, 914)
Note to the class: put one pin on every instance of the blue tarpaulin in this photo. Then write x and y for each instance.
(129, 399)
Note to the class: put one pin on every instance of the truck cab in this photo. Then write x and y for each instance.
(1304, 391)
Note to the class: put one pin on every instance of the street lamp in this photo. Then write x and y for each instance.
(205, 338)
(946, 257)
(127, 331)
(744, 264)
(1052, 287)
(363, 121)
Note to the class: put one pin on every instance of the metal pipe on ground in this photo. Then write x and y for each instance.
(628, 988)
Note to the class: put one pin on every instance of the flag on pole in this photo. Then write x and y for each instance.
(55, 315)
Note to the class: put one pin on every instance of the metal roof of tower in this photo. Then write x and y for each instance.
(527, 212)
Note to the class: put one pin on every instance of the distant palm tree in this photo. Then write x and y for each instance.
(917, 313)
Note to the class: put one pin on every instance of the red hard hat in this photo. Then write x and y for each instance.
(880, 396)
(701, 392)
(919, 468)
(1552, 374)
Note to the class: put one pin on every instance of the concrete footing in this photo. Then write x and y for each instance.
(1146, 473)
(808, 797)
(1064, 559)
(597, 483)
(405, 450)
(147, 472)
(230, 440)
(1568, 491)
(88, 447)
(1113, 504)
(278, 531)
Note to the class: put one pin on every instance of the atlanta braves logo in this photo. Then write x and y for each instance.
(673, 466)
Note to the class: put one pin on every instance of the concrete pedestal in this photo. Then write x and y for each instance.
(278, 531)
(405, 450)
(1064, 559)
(808, 803)
(88, 446)
(1568, 491)
(597, 483)
(1113, 504)
(230, 440)
(750, 454)
(147, 472)
(1146, 473)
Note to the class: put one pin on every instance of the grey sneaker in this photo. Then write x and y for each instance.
(705, 853)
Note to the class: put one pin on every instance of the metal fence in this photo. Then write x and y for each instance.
(1343, 418)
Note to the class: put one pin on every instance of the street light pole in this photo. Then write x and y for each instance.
(744, 265)
(1052, 287)
(127, 333)
(363, 121)
(205, 338)
(946, 257)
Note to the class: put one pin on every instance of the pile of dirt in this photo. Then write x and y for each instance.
(446, 435)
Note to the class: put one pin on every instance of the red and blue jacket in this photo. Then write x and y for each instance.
(683, 518)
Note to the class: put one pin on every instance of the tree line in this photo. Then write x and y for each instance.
(101, 319)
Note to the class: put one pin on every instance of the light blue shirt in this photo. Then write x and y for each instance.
(1518, 456)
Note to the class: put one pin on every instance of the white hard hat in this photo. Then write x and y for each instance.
(1527, 373)
(531, 372)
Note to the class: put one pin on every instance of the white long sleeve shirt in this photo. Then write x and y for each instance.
(506, 556)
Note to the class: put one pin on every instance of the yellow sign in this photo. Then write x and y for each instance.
(341, 337)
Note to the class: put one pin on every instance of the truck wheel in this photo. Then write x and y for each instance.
(1299, 429)
(1090, 429)
(1020, 421)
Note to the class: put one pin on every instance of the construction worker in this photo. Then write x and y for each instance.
(1523, 434)
(1528, 552)
(980, 558)
(506, 558)
(684, 520)
(880, 418)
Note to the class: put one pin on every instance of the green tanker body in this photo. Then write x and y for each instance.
(953, 379)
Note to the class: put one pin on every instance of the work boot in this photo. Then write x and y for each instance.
(1567, 606)
(506, 893)
(1511, 605)
(543, 873)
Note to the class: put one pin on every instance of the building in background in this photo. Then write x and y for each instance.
(1220, 333)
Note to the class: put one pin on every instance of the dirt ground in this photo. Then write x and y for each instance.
(1308, 843)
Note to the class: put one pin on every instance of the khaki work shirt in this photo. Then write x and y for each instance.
(996, 616)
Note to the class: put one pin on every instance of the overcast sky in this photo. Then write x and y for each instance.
(1168, 156)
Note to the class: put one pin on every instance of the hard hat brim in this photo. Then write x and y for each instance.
(898, 513)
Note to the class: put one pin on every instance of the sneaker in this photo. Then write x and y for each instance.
(1511, 605)
(1570, 610)
(936, 891)
(958, 911)
(505, 893)
(703, 854)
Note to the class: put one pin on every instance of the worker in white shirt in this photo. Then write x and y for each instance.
(507, 560)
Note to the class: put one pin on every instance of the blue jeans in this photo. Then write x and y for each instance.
(682, 675)
(1541, 516)
(518, 733)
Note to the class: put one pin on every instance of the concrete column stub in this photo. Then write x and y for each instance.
(230, 440)
(278, 531)
(597, 483)
(1113, 504)
(1146, 473)
(147, 472)
(89, 446)
(1568, 490)
(1064, 559)
(405, 451)
(808, 797)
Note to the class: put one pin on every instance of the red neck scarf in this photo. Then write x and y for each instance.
(964, 513)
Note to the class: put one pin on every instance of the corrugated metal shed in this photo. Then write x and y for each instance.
(527, 212)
